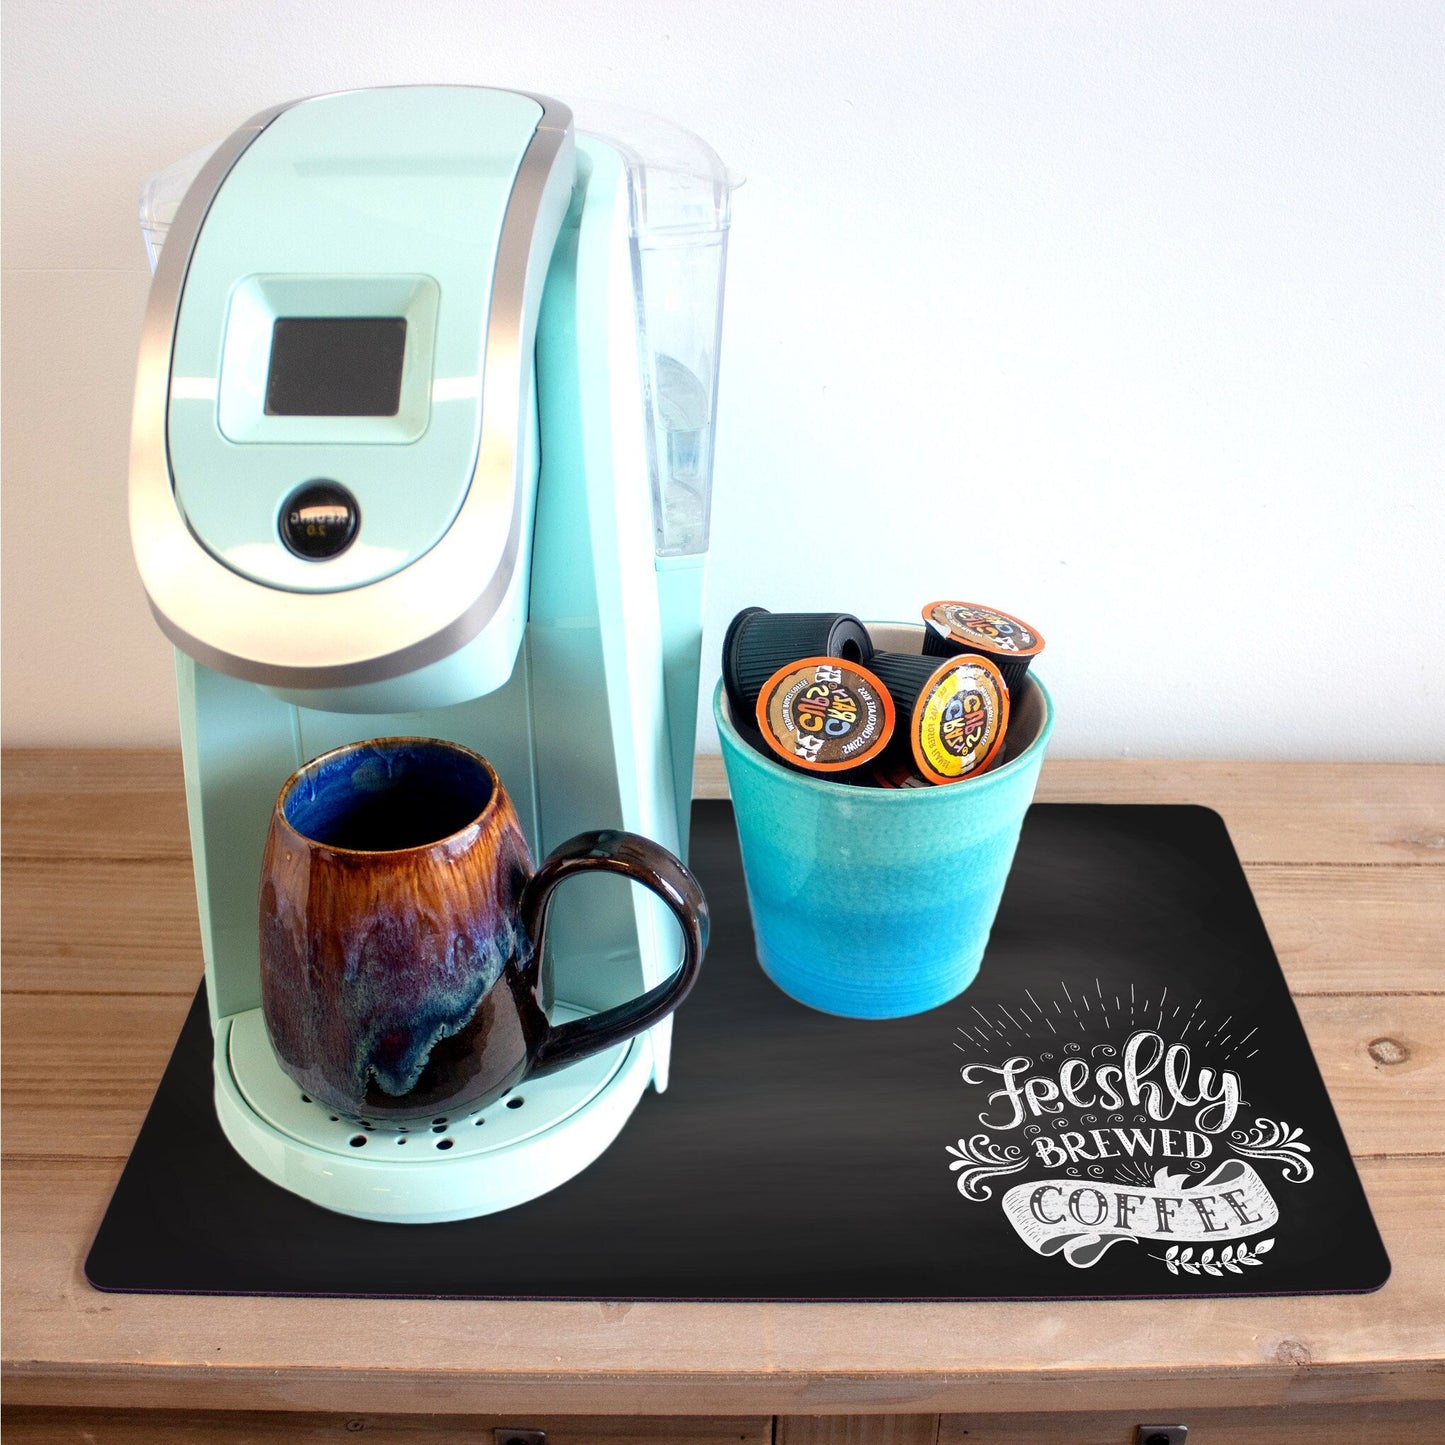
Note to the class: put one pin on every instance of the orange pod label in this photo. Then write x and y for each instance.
(825, 715)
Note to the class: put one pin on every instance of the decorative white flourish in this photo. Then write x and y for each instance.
(1270, 1140)
(980, 1158)
(1229, 1258)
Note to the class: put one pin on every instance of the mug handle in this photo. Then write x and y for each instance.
(645, 862)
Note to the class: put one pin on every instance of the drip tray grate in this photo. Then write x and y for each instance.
(533, 1107)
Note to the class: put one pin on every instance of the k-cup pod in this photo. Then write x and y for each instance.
(952, 714)
(824, 715)
(1008, 642)
(759, 642)
(894, 771)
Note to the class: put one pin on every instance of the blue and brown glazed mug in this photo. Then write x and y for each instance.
(402, 928)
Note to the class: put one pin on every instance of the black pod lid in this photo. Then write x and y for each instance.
(759, 642)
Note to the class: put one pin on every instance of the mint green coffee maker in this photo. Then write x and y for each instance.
(422, 445)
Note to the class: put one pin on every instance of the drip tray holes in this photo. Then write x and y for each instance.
(521, 1114)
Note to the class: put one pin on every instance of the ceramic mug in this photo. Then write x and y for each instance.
(873, 902)
(402, 930)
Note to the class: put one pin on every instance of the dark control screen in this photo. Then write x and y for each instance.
(335, 366)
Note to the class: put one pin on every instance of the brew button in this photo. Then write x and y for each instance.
(319, 520)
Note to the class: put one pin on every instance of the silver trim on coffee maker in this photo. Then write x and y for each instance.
(426, 611)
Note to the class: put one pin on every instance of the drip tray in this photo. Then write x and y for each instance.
(533, 1107)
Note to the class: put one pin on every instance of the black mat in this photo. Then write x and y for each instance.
(799, 1156)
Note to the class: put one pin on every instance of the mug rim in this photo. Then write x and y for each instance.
(477, 819)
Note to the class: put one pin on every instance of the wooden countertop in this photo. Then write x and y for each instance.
(102, 957)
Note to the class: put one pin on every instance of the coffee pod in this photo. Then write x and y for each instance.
(1008, 642)
(759, 642)
(953, 712)
(824, 715)
(895, 770)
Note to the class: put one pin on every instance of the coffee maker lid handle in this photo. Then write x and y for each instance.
(161, 196)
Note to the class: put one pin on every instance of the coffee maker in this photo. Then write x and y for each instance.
(422, 445)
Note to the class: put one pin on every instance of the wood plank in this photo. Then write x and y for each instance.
(27, 1426)
(79, 1070)
(111, 925)
(1412, 1423)
(1281, 812)
(1354, 929)
(94, 803)
(1382, 1056)
(129, 803)
(66, 1345)
(857, 1430)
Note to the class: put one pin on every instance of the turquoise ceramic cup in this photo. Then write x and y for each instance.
(875, 903)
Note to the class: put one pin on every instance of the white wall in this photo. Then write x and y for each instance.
(1126, 317)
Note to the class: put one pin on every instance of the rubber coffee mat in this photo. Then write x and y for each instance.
(1123, 1104)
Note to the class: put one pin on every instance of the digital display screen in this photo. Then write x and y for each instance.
(335, 366)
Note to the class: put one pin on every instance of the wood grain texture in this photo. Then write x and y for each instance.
(113, 925)
(1413, 1423)
(857, 1430)
(251, 1427)
(79, 1070)
(67, 804)
(1320, 813)
(1346, 864)
(1354, 928)
(1416, 1423)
